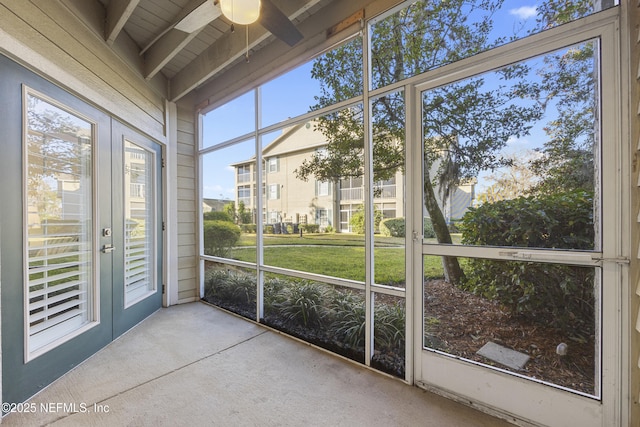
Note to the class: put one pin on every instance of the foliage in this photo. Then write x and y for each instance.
(303, 303)
(389, 326)
(268, 229)
(220, 237)
(558, 295)
(310, 228)
(357, 220)
(464, 123)
(217, 216)
(392, 227)
(230, 209)
(566, 161)
(427, 229)
(562, 220)
(514, 181)
(241, 215)
(347, 311)
(230, 286)
(248, 228)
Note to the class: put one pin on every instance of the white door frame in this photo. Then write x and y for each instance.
(516, 398)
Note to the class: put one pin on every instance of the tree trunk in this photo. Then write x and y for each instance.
(452, 271)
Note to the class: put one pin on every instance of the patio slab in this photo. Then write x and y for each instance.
(196, 365)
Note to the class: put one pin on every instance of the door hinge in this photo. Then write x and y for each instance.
(163, 226)
(163, 288)
(163, 162)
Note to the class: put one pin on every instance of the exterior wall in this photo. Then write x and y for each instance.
(51, 38)
(634, 273)
(297, 197)
(187, 208)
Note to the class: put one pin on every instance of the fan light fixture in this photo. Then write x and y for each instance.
(241, 12)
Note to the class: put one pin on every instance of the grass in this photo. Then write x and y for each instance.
(337, 255)
(319, 239)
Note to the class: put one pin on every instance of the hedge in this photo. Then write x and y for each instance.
(217, 216)
(220, 237)
(555, 294)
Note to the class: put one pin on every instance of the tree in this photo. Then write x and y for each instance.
(567, 158)
(515, 181)
(464, 123)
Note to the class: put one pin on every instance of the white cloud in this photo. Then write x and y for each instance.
(524, 12)
(514, 140)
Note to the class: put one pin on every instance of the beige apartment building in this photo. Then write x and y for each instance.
(288, 199)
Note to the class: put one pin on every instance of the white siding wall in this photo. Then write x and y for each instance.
(187, 242)
(51, 38)
(634, 297)
(56, 40)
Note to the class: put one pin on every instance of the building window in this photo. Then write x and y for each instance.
(322, 217)
(244, 194)
(244, 173)
(273, 192)
(272, 165)
(323, 188)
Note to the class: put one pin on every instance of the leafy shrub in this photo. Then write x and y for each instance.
(230, 286)
(347, 313)
(454, 227)
(357, 220)
(268, 229)
(329, 229)
(392, 227)
(220, 237)
(274, 292)
(217, 216)
(303, 303)
(563, 220)
(310, 228)
(559, 295)
(290, 228)
(427, 226)
(248, 228)
(389, 326)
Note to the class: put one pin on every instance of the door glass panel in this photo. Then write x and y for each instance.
(59, 223)
(511, 157)
(533, 319)
(140, 219)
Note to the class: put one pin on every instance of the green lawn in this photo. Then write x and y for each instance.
(338, 255)
(319, 239)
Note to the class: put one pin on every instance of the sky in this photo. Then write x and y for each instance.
(291, 95)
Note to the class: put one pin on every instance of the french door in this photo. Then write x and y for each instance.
(81, 230)
(524, 319)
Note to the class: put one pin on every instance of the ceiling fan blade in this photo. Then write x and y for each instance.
(196, 15)
(277, 23)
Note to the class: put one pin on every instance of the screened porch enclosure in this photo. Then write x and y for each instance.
(454, 213)
(419, 210)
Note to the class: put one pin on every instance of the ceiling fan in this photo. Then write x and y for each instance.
(270, 17)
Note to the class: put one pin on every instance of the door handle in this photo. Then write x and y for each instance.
(108, 248)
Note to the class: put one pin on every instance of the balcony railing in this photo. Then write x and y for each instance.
(380, 192)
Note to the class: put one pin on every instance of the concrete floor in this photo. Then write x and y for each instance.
(195, 365)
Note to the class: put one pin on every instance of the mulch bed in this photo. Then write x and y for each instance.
(460, 323)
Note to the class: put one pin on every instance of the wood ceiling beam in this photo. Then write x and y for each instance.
(227, 49)
(277, 58)
(118, 13)
(166, 45)
(164, 49)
